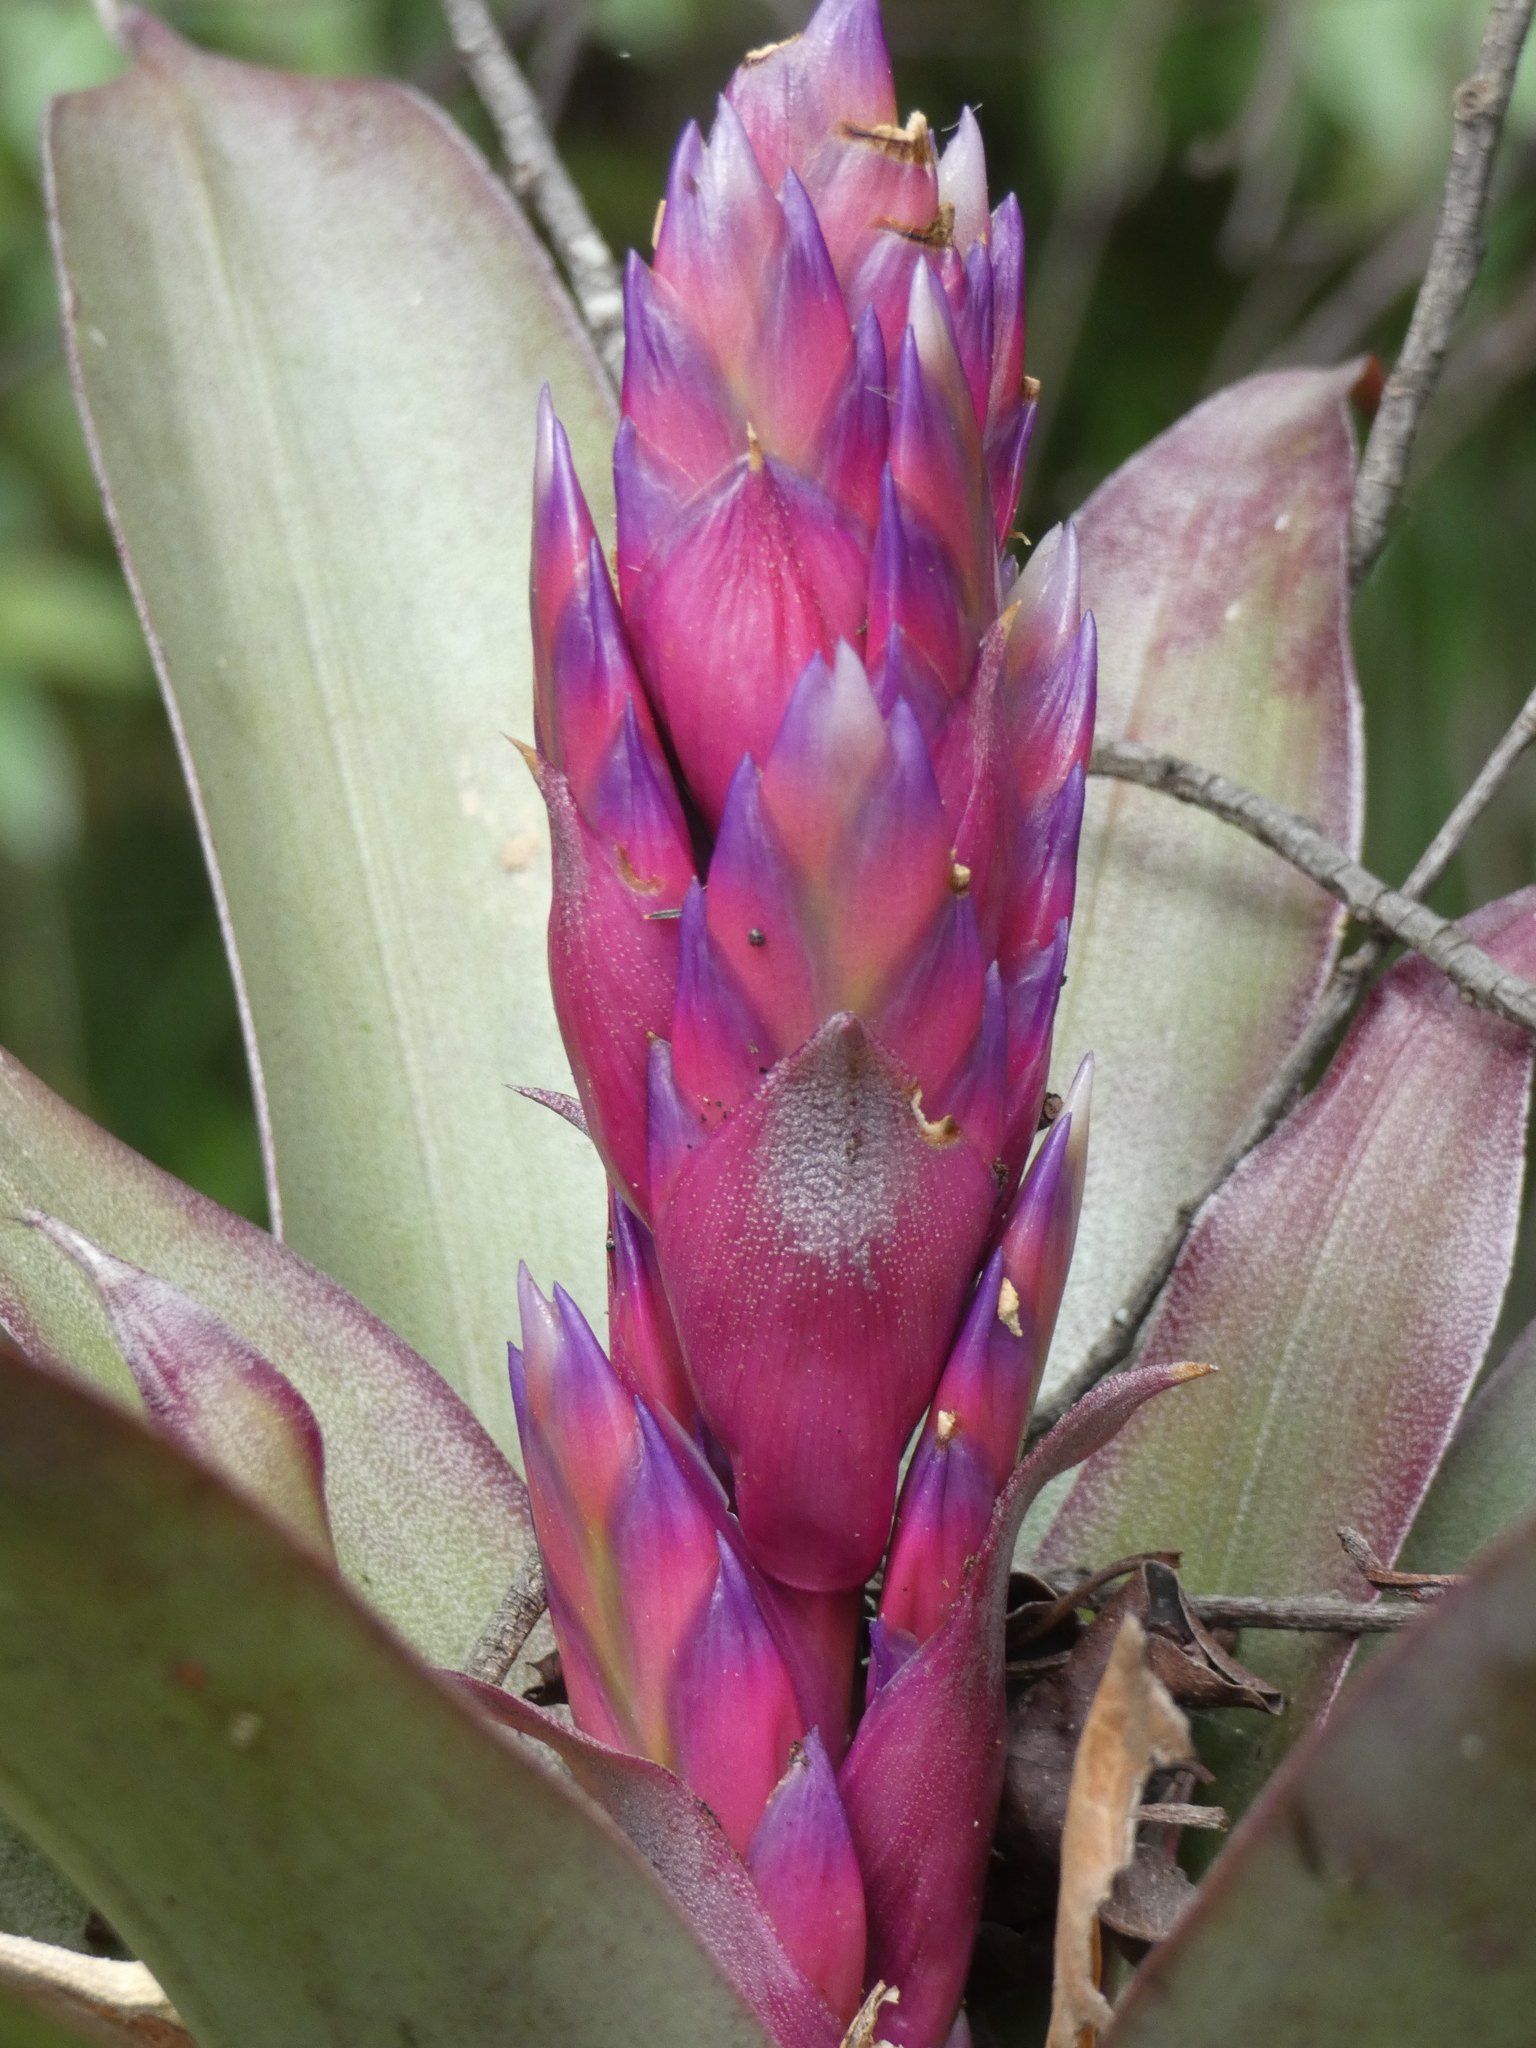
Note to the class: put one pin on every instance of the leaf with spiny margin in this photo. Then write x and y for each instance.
(1346, 1281)
(429, 1520)
(1215, 562)
(309, 330)
(1379, 1894)
(310, 1841)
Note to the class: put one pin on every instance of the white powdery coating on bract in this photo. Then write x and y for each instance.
(837, 1159)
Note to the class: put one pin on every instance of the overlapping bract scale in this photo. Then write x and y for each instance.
(815, 776)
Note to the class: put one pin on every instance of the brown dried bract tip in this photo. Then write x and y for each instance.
(959, 876)
(1050, 1109)
(661, 214)
(945, 1423)
(861, 2031)
(1008, 1307)
(765, 50)
(910, 145)
(939, 233)
(1031, 388)
(938, 1135)
(754, 449)
(530, 755)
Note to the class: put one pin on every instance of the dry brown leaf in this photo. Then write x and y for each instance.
(1133, 1727)
(108, 2003)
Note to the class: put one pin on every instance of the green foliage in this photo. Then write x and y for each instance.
(322, 477)
(380, 1865)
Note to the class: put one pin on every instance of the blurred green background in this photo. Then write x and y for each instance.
(1210, 186)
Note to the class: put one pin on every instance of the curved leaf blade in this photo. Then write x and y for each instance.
(308, 331)
(430, 1521)
(309, 1840)
(1380, 1893)
(1488, 1480)
(1346, 1281)
(1215, 563)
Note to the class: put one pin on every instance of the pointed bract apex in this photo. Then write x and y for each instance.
(801, 1858)
(733, 1707)
(207, 1389)
(968, 1447)
(1042, 1224)
(642, 1337)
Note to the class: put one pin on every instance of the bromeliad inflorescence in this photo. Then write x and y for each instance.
(815, 779)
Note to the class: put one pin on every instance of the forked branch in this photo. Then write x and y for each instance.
(1367, 899)
(1350, 978)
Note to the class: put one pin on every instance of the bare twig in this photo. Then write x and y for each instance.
(1375, 1573)
(510, 1626)
(538, 176)
(1350, 978)
(1447, 842)
(1368, 899)
(1177, 1813)
(1479, 107)
(1308, 1613)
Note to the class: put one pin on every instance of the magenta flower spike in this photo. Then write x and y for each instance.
(732, 1706)
(664, 1643)
(1042, 1224)
(972, 1435)
(831, 733)
(642, 1338)
(968, 1446)
(802, 1859)
(620, 845)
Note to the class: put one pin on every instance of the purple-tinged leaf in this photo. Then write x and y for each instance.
(921, 1782)
(1346, 1281)
(681, 1839)
(300, 1830)
(1379, 1894)
(1215, 564)
(309, 330)
(207, 1389)
(429, 1520)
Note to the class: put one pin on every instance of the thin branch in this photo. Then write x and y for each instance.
(539, 178)
(1177, 1813)
(1376, 1573)
(510, 1626)
(1447, 842)
(1367, 899)
(1309, 1613)
(1350, 979)
(1479, 106)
